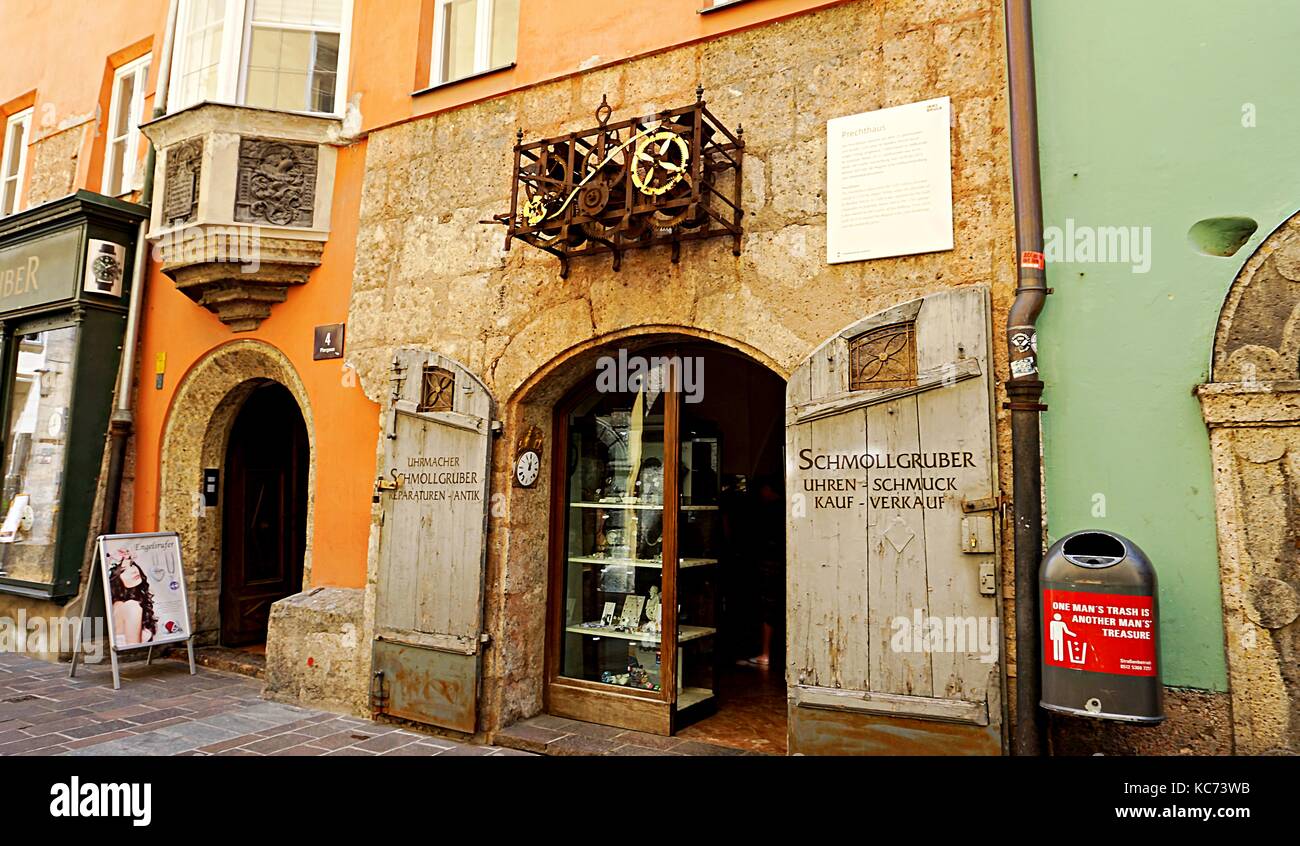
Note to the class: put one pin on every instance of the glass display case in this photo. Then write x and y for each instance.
(67, 268)
(636, 565)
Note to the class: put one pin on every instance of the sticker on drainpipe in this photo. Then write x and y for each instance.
(1023, 367)
(159, 368)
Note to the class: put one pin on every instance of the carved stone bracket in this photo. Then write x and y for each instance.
(240, 293)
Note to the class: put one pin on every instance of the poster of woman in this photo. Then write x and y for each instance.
(144, 589)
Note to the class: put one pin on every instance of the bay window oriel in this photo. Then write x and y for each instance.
(288, 55)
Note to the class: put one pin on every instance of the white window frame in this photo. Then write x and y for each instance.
(232, 67)
(139, 68)
(6, 160)
(483, 11)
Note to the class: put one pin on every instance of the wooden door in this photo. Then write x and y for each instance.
(264, 513)
(434, 489)
(893, 615)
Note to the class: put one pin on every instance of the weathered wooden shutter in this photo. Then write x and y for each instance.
(433, 542)
(891, 470)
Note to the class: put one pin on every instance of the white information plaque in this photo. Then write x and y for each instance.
(889, 182)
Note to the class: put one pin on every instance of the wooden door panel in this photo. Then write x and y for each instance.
(889, 445)
(263, 513)
(433, 539)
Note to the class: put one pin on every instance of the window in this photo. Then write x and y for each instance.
(12, 169)
(125, 111)
(473, 36)
(289, 55)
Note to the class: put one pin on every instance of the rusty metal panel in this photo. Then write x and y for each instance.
(819, 731)
(427, 685)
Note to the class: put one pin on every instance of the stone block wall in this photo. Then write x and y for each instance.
(429, 274)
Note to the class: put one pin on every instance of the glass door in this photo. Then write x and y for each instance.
(627, 649)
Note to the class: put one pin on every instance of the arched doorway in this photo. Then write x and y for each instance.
(195, 438)
(264, 512)
(668, 517)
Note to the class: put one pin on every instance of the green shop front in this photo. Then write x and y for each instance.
(65, 279)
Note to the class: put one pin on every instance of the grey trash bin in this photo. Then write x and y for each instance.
(1100, 628)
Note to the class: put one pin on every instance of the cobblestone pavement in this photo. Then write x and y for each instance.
(163, 710)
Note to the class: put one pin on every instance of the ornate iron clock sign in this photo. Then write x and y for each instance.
(665, 179)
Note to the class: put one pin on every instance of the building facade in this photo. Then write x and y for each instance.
(661, 459)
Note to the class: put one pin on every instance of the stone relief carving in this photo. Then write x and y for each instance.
(1259, 334)
(276, 183)
(181, 191)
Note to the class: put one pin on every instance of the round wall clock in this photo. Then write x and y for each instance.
(528, 465)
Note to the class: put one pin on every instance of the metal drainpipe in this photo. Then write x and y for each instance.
(1024, 388)
(122, 421)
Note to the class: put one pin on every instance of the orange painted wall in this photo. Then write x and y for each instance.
(65, 50)
(346, 423)
(557, 38)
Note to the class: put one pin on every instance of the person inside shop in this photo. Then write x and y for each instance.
(769, 556)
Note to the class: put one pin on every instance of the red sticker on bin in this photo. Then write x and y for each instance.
(1099, 632)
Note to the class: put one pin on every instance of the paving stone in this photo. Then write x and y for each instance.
(417, 750)
(467, 749)
(529, 738)
(654, 741)
(577, 744)
(299, 750)
(334, 741)
(281, 741)
(198, 734)
(223, 745)
(92, 741)
(94, 729)
(236, 721)
(385, 742)
(633, 750)
(156, 716)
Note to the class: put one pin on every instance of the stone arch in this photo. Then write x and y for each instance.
(1258, 334)
(1252, 409)
(519, 525)
(195, 436)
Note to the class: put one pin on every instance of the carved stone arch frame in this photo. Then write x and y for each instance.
(519, 525)
(1252, 409)
(195, 436)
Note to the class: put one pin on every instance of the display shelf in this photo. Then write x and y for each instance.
(637, 506)
(650, 563)
(688, 696)
(685, 633)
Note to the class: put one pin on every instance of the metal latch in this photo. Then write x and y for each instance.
(382, 484)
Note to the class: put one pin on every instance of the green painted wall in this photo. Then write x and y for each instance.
(1141, 124)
